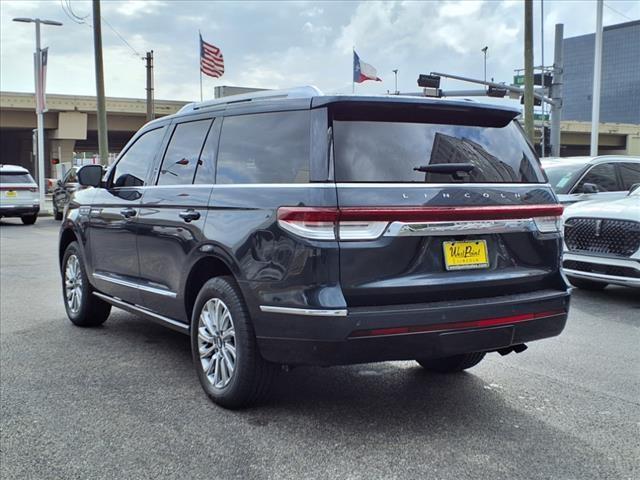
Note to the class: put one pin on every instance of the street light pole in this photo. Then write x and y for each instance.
(484, 50)
(395, 72)
(38, 93)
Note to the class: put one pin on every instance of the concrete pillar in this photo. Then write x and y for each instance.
(62, 150)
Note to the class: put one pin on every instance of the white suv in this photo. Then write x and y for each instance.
(19, 195)
(602, 242)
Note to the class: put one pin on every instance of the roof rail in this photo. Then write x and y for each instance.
(306, 91)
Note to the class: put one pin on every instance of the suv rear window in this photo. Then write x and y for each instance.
(264, 148)
(6, 177)
(388, 151)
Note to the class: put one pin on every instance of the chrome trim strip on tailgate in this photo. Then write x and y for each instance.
(471, 227)
(304, 311)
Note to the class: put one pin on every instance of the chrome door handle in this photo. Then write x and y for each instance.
(189, 215)
(128, 212)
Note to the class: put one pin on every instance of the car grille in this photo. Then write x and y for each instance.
(604, 269)
(604, 236)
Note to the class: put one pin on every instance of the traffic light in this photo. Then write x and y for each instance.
(496, 92)
(428, 81)
(536, 101)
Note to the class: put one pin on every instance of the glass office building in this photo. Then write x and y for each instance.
(620, 95)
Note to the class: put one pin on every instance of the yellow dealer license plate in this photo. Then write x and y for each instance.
(11, 194)
(463, 255)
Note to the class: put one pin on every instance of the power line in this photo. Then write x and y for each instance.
(81, 20)
(122, 38)
(616, 11)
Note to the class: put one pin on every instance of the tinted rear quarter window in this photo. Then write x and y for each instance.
(388, 151)
(182, 155)
(264, 148)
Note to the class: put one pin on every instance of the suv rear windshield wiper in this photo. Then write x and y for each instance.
(446, 168)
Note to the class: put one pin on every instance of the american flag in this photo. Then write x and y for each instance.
(211, 60)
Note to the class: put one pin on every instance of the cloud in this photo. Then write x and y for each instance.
(271, 44)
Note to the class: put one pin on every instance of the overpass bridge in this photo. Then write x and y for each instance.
(70, 126)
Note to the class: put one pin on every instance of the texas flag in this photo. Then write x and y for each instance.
(363, 71)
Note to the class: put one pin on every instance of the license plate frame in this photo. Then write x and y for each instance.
(467, 259)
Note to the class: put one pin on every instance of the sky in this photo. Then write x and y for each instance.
(282, 44)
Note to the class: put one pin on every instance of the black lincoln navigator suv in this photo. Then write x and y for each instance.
(293, 228)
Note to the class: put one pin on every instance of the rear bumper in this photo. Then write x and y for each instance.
(409, 332)
(18, 210)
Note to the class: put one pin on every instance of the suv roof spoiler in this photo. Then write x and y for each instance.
(306, 91)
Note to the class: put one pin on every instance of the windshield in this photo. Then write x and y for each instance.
(398, 151)
(562, 176)
(15, 177)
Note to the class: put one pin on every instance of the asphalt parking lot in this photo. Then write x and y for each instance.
(123, 401)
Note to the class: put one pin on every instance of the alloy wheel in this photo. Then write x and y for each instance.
(73, 284)
(217, 343)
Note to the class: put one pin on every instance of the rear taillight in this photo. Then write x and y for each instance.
(551, 224)
(362, 223)
(327, 224)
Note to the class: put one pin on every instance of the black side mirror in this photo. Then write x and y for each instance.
(589, 188)
(59, 182)
(90, 175)
(633, 188)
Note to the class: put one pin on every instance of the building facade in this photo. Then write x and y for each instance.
(620, 94)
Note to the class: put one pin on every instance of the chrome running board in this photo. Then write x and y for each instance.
(148, 314)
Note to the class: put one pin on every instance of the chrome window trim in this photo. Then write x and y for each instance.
(469, 227)
(345, 185)
(304, 311)
(125, 283)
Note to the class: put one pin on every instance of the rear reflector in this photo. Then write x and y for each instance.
(363, 223)
(440, 327)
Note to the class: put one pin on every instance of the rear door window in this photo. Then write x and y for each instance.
(181, 158)
(132, 170)
(602, 176)
(264, 148)
(630, 173)
(389, 151)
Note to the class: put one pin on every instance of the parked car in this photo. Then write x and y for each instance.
(602, 242)
(577, 179)
(62, 192)
(292, 228)
(19, 196)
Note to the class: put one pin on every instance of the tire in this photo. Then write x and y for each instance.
(456, 363)
(83, 308)
(587, 284)
(29, 219)
(57, 214)
(250, 378)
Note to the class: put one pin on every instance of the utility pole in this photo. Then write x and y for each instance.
(597, 74)
(103, 139)
(528, 68)
(542, 73)
(395, 72)
(39, 94)
(150, 103)
(556, 89)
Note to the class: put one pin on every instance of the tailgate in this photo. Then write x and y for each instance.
(440, 204)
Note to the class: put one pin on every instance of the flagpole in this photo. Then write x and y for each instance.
(200, 61)
(353, 59)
